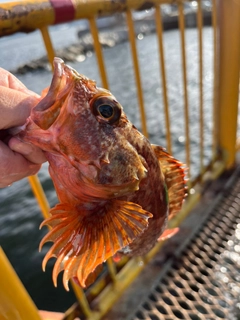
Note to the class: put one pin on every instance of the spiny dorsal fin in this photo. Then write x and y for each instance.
(84, 240)
(174, 173)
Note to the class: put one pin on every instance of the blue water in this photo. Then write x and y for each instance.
(19, 214)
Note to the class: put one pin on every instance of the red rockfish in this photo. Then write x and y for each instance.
(116, 191)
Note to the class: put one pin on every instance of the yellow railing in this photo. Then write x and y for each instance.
(30, 15)
(13, 296)
(228, 77)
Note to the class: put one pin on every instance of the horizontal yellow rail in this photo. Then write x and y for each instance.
(34, 14)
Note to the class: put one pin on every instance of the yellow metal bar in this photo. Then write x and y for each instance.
(112, 269)
(229, 68)
(15, 302)
(132, 40)
(80, 295)
(200, 53)
(48, 45)
(184, 71)
(28, 15)
(40, 195)
(25, 16)
(98, 50)
(159, 29)
(215, 80)
(87, 9)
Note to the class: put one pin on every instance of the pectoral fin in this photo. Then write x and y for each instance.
(82, 241)
(174, 173)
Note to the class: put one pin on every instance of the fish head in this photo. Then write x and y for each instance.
(86, 126)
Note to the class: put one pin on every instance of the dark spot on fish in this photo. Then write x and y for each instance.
(105, 179)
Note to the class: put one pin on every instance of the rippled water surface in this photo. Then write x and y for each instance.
(19, 214)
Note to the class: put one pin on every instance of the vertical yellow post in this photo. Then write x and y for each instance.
(48, 44)
(98, 50)
(40, 195)
(159, 29)
(200, 53)
(15, 303)
(215, 80)
(83, 302)
(229, 67)
(185, 90)
(131, 35)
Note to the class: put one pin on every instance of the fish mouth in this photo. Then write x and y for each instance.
(45, 113)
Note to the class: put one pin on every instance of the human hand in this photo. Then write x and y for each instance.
(48, 315)
(18, 159)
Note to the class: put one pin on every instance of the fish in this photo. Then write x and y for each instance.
(116, 190)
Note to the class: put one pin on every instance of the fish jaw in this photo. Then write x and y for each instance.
(46, 112)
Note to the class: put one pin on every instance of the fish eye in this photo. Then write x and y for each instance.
(106, 109)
